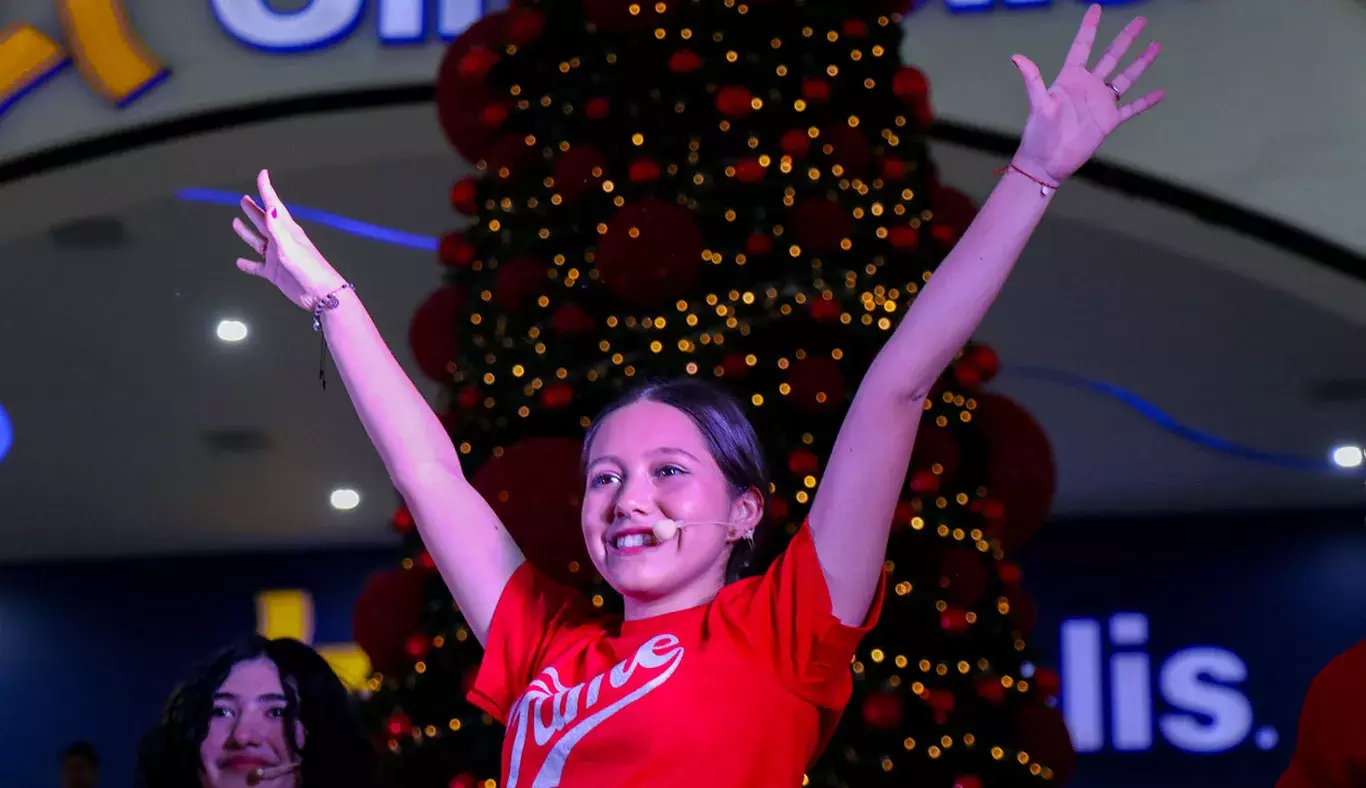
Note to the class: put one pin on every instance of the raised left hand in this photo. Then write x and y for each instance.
(1069, 121)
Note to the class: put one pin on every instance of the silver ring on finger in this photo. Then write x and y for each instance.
(1119, 94)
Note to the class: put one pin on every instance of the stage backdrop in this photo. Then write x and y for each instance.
(1185, 644)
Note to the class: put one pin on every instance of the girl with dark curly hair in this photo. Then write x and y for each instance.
(267, 713)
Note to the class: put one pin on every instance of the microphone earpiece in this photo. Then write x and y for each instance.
(261, 773)
(667, 529)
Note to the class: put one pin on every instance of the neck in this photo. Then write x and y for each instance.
(700, 591)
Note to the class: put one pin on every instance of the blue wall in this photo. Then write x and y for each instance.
(1277, 596)
(92, 650)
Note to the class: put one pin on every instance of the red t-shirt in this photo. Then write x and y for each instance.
(1331, 748)
(744, 690)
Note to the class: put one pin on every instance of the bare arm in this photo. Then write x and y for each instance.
(852, 513)
(472, 550)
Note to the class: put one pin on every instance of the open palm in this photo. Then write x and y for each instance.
(290, 260)
(1069, 121)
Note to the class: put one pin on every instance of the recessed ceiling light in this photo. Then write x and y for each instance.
(345, 499)
(1348, 456)
(232, 330)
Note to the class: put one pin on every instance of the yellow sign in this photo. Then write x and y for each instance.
(288, 613)
(102, 45)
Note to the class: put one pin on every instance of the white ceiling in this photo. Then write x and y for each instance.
(112, 376)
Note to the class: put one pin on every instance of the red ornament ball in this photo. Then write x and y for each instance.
(904, 238)
(535, 487)
(777, 510)
(620, 16)
(684, 61)
(749, 171)
(967, 781)
(758, 245)
(650, 252)
(1010, 573)
(815, 89)
(952, 209)
(936, 445)
(910, 84)
(432, 333)
(597, 108)
(1044, 736)
(966, 573)
(825, 310)
(893, 170)
(855, 28)
(519, 281)
(734, 101)
(469, 398)
(398, 724)
(477, 63)
(388, 610)
(820, 224)
(506, 156)
(643, 171)
(966, 375)
(984, 360)
(463, 780)
(817, 384)
(1049, 682)
(525, 26)
(402, 521)
(465, 196)
(461, 101)
(733, 366)
(456, 251)
(990, 689)
(848, 148)
(803, 462)
(1024, 615)
(942, 701)
(572, 320)
(580, 169)
(954, 621)
(1021, 472)
(883, 710)
(417, 645)
(795, 143)
(557, 396)
(924, 482)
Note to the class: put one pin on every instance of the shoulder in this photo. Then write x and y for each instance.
(1344, 675)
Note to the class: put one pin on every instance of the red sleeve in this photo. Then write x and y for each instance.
(787, 617)
(534, 615)
(1330, 749)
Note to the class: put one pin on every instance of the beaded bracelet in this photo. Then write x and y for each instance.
(326, 303)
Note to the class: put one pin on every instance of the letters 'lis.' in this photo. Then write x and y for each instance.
(101, 44)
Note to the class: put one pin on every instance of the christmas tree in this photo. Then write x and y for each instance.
(739, 191)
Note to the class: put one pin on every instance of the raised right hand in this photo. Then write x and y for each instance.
(291, 262)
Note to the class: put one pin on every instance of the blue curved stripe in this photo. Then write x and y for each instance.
(1170, 424)
(1133, 401)
(345, 224)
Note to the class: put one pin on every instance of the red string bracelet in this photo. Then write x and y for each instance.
(1044, 186)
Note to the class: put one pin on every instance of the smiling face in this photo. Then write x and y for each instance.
(649, 461)
(247, 729)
